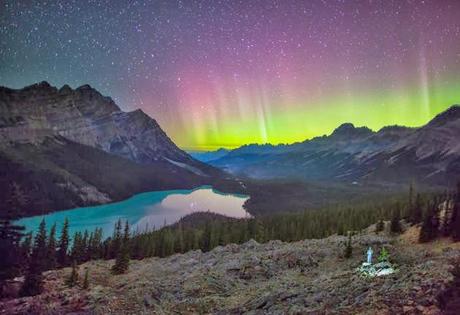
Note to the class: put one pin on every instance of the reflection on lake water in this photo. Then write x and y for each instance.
(144, 211)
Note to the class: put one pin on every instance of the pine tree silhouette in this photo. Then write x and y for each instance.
(123, 256)
(62, 255)
(348, 248)
(51, 246)
(33, 281)
(429, 229)
(73, 278)
(10, 237)
(86, 280)
(395, 225)
(380, 226)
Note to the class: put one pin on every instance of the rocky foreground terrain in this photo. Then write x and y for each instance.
(306, 277)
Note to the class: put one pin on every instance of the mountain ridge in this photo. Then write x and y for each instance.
(430, 153)
(455, 108)
(85, 107)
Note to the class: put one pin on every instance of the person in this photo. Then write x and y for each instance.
(369, 255)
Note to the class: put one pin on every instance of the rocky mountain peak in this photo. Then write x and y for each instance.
(65, 89)
(348, 130)
(395, 131)
(85, 87)
(430, 153)
(394, 128)
(43, 84)
(42, 87)
(88, 91)
(451, 114)
(82, 149)
(85, 116)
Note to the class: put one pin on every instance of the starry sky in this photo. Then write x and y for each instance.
(225, 73)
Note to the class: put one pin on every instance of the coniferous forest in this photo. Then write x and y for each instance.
(30, 255)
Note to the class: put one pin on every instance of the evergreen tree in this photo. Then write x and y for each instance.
(383, 256)
(456, 226)
(395, 225)
(86, 280)
(84, 247)
(169, 241)
(89, 247)
(26, 250)
(51, 258)
(380, 226)
(455, 220)
(122, 259)
(10, 257)
(348, 247)
(445, 216)
(179, 242)
(340, 229)
(260, 232)
(115, 244)
(214, 240)
(429, 229)
(160, 242)
(95, 244)
(33, 281)
(73, 278)
(410, 202)
(252, 228)
(40, 249)
(206, 237)
(77, 250)
(26, 244)
(179, 238)
(62, 255)
(416, 213)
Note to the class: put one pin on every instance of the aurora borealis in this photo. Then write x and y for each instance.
(226, 73)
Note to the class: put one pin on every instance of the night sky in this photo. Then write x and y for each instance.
(225, 73)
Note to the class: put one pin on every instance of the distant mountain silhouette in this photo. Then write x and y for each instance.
(206, 156)
(394, 154)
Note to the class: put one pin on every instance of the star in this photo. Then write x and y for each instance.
(246, 71)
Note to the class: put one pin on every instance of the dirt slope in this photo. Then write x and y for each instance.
(306, 277)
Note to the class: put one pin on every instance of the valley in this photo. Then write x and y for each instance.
(249, 230)
(257, 157)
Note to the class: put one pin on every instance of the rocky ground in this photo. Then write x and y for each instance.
(306, 277)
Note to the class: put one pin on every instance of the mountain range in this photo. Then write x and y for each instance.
(63, 148)
(394, 154)
(206, 156)
(66, 148)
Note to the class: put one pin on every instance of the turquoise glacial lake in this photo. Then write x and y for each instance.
(146, 211)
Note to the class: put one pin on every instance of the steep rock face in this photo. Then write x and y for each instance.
(85, 116)
(63, 148)
(439, 136)
(61, 174)
(393, 154)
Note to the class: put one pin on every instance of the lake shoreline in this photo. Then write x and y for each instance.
(145, 211)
